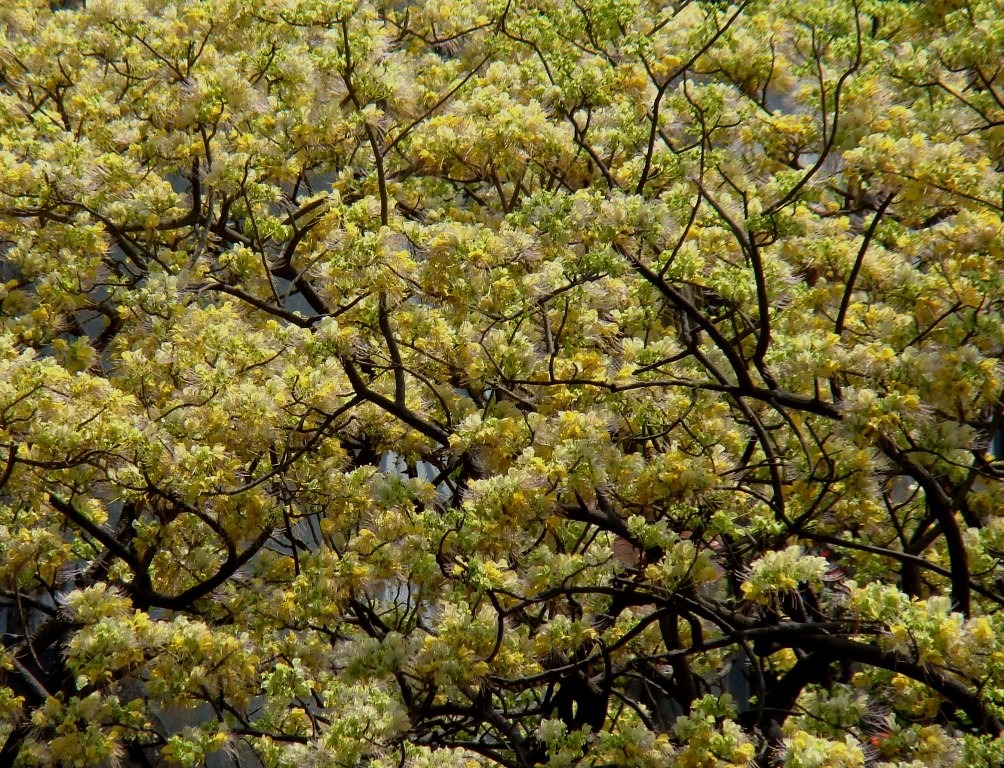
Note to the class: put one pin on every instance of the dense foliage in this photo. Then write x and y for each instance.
(565, 382)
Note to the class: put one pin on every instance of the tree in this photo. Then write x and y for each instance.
(604, 382)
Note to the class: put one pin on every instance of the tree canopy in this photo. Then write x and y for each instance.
(562, 382)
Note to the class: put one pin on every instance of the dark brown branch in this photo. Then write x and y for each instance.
(853, 276)
(264, 306)
(409, 417)
(905, 558)
(400, 389)
(975, 709)
(941, 506)
(106, 538)
(185, 599)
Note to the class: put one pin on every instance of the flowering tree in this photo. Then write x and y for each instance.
(570, 382)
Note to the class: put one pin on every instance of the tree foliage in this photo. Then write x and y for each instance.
(568, 382)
